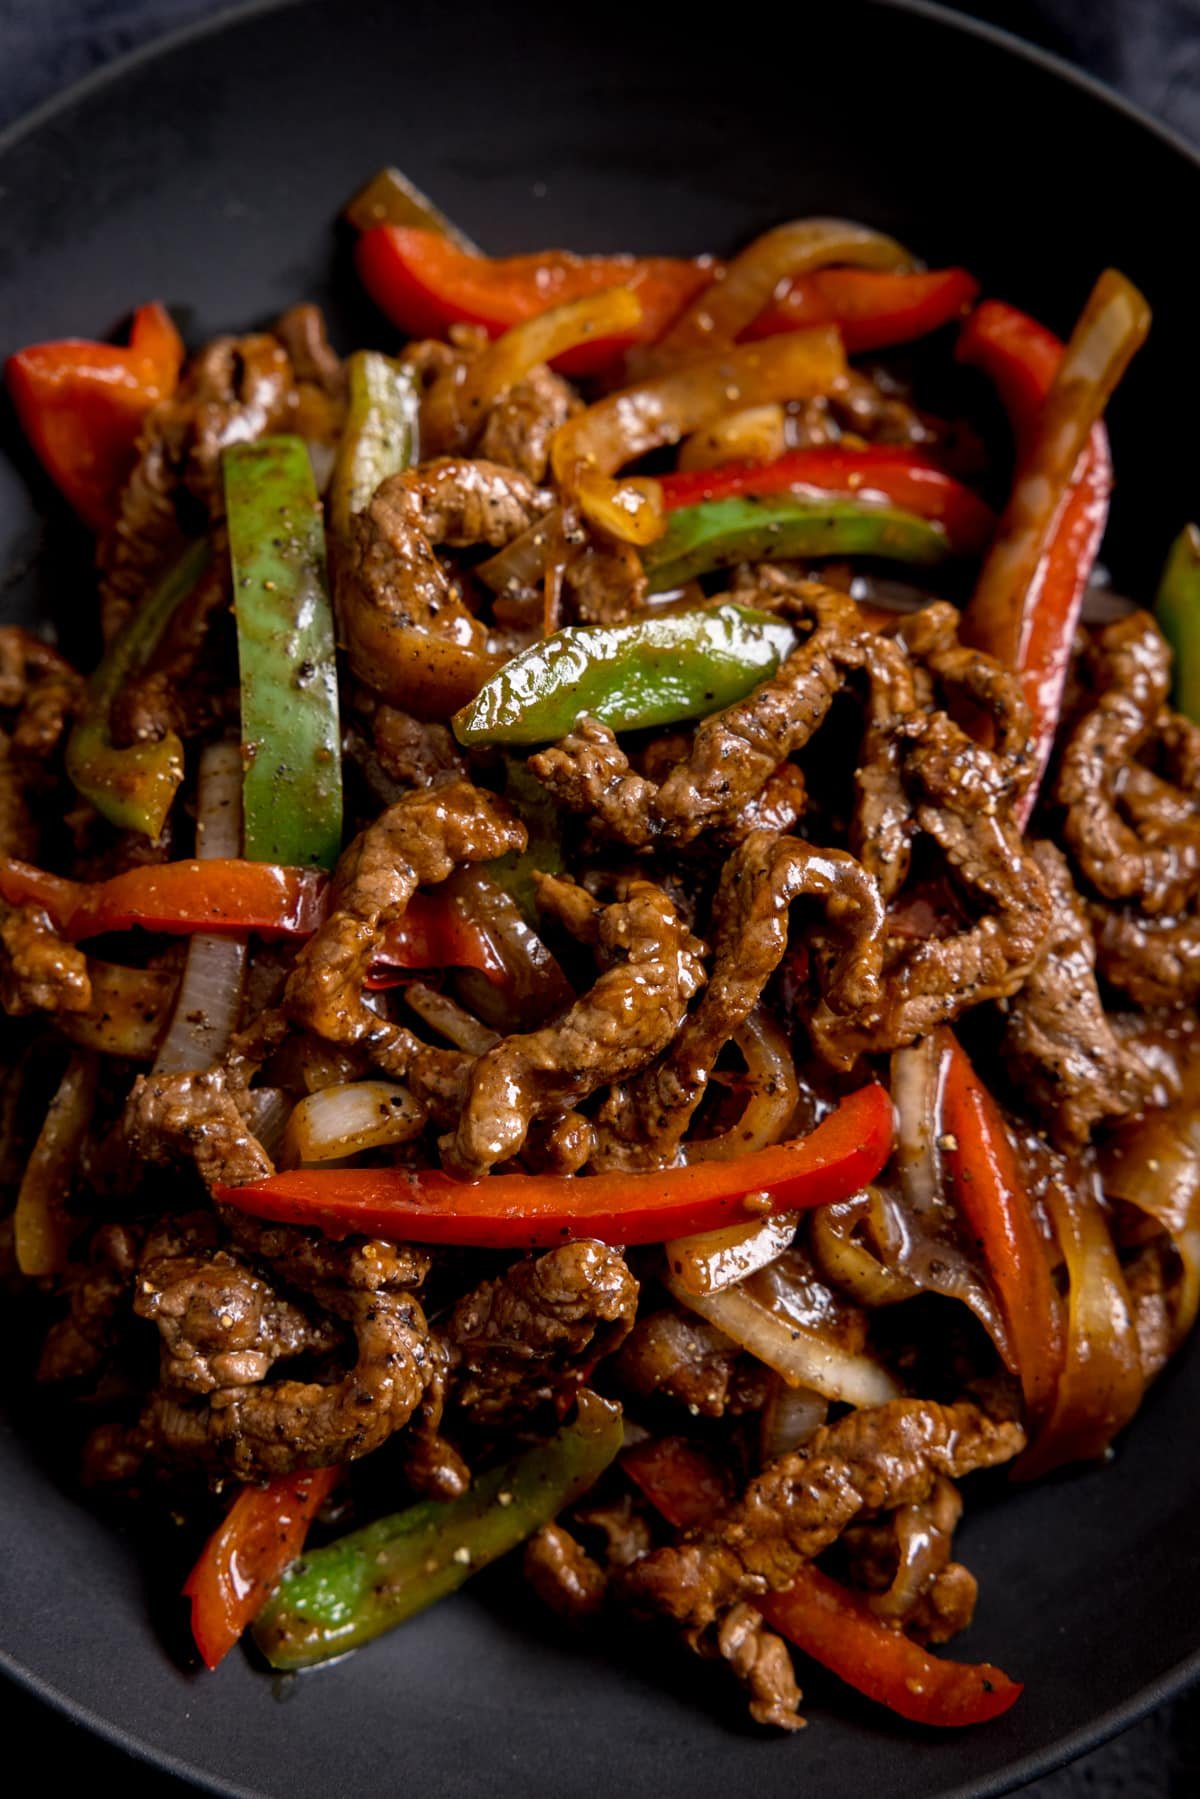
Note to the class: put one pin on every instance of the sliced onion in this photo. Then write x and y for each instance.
(758, 434)
(267, 1112)
(341, 1121)
(128, 1013)
(1155, 1166)
(41, 1226)
(790, 1417)
(739, 292)
(210, 993)
(534, 988)
(803, 1357)
(931, 1252)
(845, 1260)
(449, 1019)
(630, 510)
(713, 1260)
(774, 1093)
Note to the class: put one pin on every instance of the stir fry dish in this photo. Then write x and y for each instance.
(605, 963)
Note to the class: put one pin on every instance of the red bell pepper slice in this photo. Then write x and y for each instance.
(535, 1211)
(425, 284)
(263, 1532)
(904, 477)
(979, 1163)
(82, 404)
(872, 308)
(224, 895)
(1021, 356)
(829, 1622)
(433, 932)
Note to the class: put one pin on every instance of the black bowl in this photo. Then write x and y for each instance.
(208, 173)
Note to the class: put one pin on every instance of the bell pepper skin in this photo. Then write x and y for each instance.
(1020, 357)
(1177, 609)
(829, 1622)
(82, 406)
(527, 1211)
(380, 436)
(425, 284)
(432, 932)
(904, 478)
(984, 1182)
(354, 1590)
(178, 898)
(872, 308)
(262, 1534)
(292, 790)
(654, 672)
(718, 533)
(133, 787)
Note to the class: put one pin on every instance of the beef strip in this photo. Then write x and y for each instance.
(964, 674)
(418, 841)
(651, 967)
(759, 883)
(41, 688)
(197, 1117)
(222, 1325)
(1129, 663)
(301, 330)
(671, 1355)
(869, 1461)
(39, 971)
(233, 390)
(881, 826)
(605, 583)
(763, 1663)
(534, 1333)
(96, 1286)
(1058, 1045)
(900, 1557)
(519, 426)
(391, 572)
(412, 752)
(1155, 961)
(563, 1574)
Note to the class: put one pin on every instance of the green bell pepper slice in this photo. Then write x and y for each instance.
(655, 672)
(353, 1590)
(133, 787)
(716, 533)
(380, 435)
(1177, 609)
(292, 791)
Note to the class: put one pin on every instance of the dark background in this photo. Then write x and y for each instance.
(1150, 51)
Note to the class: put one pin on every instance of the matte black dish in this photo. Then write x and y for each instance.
(208, 174)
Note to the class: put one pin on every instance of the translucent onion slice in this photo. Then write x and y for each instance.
(747, 285)
(774, 1093)
(342, 1121)
(449, 1019)
(803, 1357)
(759, 434)
(128, 1013)
(210, 993)
(1155, 1166)
(789, 1418)
(42, 1229)
(713, 1260)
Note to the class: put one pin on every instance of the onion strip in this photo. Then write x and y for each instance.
(341, 1121)
(42, 1229)
(210, 993)
(128, 1012)
(804, 1358)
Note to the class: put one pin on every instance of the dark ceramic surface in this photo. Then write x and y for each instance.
(209, 176)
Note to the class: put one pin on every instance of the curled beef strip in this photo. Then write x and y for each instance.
(965, 674)
(673, 1355)
(651, 967)
(301, 331)
(419, 841)
(1129, 663)
(519, 426)
(1156, 961)
(392, 568)
(563, 1574)
(605, 583)
(41, 687)
(881, 826)
(222, 1325)
(39, 971)
(869, 1461)
(232, 391)
(903, 1558)
(763, 1663)
(1058, 1046)
(198, 1117)
(533, 1334)
(759, 883)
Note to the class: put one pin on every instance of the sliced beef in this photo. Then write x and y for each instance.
(651, 967)
(869, 1461)
(563, 1574)
(41, 688)
(763, 1663)
(533, 1334)
(1155, 961)
(302, 332)
(671, 1355)
(97, 1287)
(1058, 1045)
(1158, 868)
(196, 1117)
(519, 426)
(412, 752)
(605, 583)
(966, 676)
(418, 841)
(39, 971)
(881, 826)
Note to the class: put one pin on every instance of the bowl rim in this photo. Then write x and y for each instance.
(1154, 1693)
